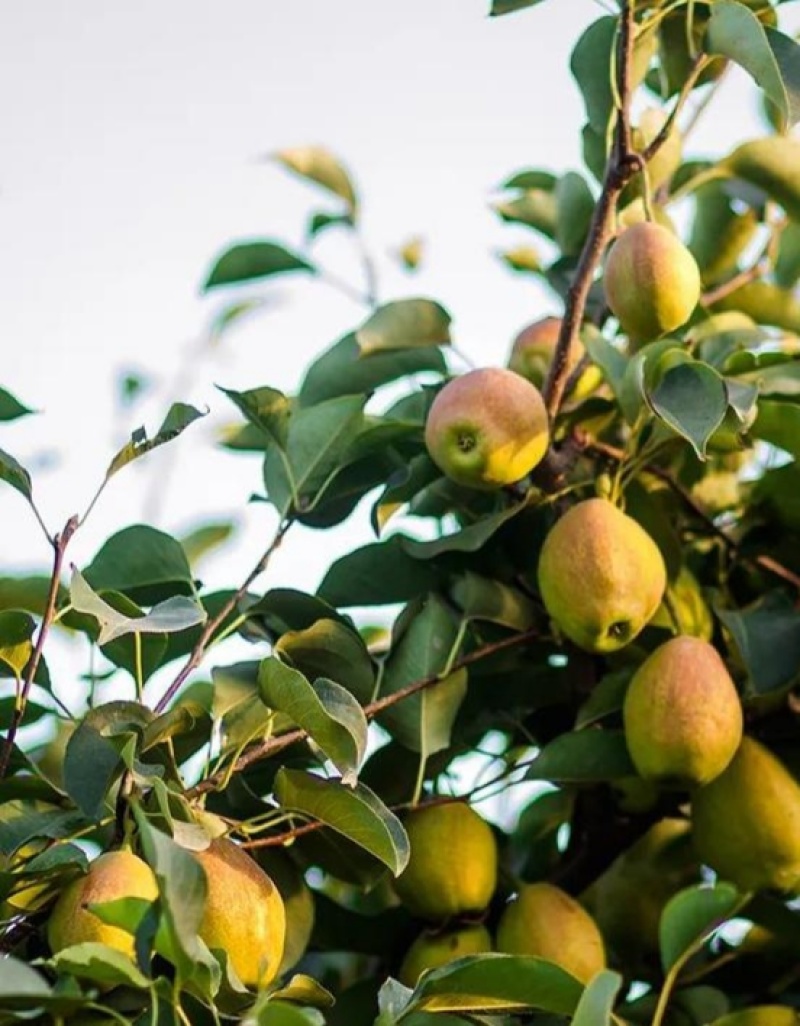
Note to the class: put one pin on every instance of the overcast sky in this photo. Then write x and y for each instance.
(131, 137)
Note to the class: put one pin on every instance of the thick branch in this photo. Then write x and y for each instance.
(60, 543)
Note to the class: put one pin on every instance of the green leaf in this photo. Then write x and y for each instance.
(692, 399)
(143, 563)
(204, 539)
(100, 964)
(535, 208)
(468, 539)
(531, 178)
(16, 475)
(497, 983)
(316, 164)
(402, 487)
(778, 422)
(285, 1013)
(607, 357)
(584, 756)
(767, 636)
(328, 713)
(249, 261)
(178, 418)
(480, 598)
(91, 765)
(501, 7)
(231, 314)
(356, 813)
(690, 916)
(344, 369)
(173, 614)
(377, 574)
(130, 652)
(769, 57)
(590, 65)
(606, 698)
(20, 984)
(575, 204)
(404, 324)
(423, 722)
(16, 631)
(321, 220)
(596, 1005)
(10, 407)
(266, 409)
(330, 649)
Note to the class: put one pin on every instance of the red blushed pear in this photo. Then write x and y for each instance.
(487, 428)
(651, 282)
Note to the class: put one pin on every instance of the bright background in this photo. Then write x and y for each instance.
(133, 138)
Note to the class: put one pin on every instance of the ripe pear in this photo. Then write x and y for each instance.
(114, 875)
(430, 950)
(487, 428)
(532, 353)
(452, 870)
(683, 719)
(746, 822)
(601, 576)
(651, 281)
(244, 913)
(761, 1015)
(545, 922)
(628, 899)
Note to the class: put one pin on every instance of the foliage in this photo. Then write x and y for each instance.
(429, 650)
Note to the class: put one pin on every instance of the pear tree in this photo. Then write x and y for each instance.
(530, 753)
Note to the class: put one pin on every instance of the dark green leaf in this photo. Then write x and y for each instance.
(10, 407)
(401, 488)
(531, 178)
(320, 221)
(692, 915)
(330, 649)
(767, 636)
(468, 539)
(16, 631)
(91, 765)
(584, 756)
(376, 575)
(606, 698)
(591, 67)
(266, 409)
(575, 205)
(355, 812)
(178, 418)
(500, 7)
(316, 164)
(15, 474)
(143, 563)
(248, 261)
(481, 598)
(328, 713)
(692, 399)
(404, 324)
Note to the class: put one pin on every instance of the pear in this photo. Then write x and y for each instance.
(244, 914)
(298, 901)
(761, 1015)
(431, 950)
(545, 922)
(532, 353)
(683, 719)
(746, 822)
(114, 875)
(770, 164)
(666, 161)
(601, 576)
(765, 303)
(487, 428)
(651, 281)
(628, 899)
(452, 869)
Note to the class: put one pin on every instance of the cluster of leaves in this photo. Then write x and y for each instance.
(348, 714)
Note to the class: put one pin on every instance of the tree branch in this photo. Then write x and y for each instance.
(199, 650)
(60, 543)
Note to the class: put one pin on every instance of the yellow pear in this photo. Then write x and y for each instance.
(487, 428)
(746, 822)
(683, 719)
(761, 1015)
(430, 950)
(666, 161)
(298, 901)
(651, 281)
(545, 922)
(244, 913)
(628, 899)
(452, 870)
(601, 576)
(112, 876)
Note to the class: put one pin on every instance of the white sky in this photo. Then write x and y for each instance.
(129, 136)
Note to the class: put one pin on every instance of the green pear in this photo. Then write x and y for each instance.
(651, 281)
(683, 719)
(746, 822)
(487, 428)
(431, 950)
(771, 164)
(532, 353)
(667, 159)
(761, 1015)
(601, 576)
(452, 869)
(545, 922)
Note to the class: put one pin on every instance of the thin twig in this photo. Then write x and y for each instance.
(197, 653)
(273, 745)
(60, 543)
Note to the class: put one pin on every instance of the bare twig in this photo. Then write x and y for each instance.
(197, 653)
(60, 543)
(273, 745)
